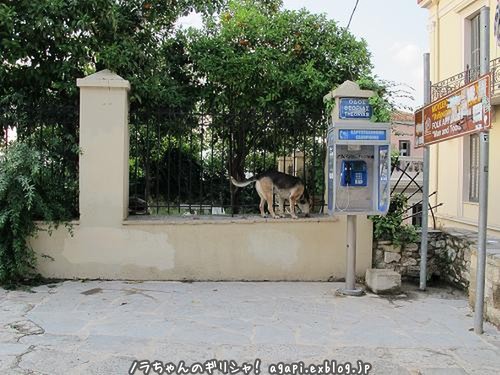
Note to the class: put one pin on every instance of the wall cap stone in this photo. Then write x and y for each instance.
(348, 89)
(430, 230)
(103, 78)
(196, 220)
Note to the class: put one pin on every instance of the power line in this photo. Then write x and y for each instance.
(352, 14)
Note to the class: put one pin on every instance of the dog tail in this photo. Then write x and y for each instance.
(242, 183)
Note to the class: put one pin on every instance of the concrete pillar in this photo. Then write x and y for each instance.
(292, 164)
(104, 142)
(299, 164)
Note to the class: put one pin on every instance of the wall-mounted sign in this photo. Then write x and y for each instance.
(463, 111)
(355, 108)
(362, 135)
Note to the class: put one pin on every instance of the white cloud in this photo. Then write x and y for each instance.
(406, 66)
(406, 54)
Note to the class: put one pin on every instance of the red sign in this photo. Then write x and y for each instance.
(463, 111)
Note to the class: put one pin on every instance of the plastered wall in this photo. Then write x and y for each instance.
(260, 250)
(106, 244)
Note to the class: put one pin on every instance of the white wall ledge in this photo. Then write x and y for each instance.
(212, 219)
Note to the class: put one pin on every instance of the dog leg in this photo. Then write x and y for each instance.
(282, 206)
(261, 207)
(292, 207)
(258, 187)
(269, 199)
(294, 197)
(265, 189)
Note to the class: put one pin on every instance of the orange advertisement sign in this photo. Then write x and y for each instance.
(463, 111)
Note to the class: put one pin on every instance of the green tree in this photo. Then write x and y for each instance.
(28, 193)
(255, 57)
(47, 44)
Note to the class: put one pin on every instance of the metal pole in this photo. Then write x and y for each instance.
(350, 277)
(425, 188)
(483, 181)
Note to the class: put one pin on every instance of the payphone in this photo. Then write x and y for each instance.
(358, 168)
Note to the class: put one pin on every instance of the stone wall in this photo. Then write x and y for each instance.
(448, 257)
(456, 260)
(451, 257)
(492, 282)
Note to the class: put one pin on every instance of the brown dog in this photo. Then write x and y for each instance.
(284, 186)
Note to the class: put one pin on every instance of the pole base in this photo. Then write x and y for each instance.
(356, 292)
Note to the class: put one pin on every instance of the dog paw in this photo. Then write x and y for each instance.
(295, 217)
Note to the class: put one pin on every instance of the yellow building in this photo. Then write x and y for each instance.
(454, 27)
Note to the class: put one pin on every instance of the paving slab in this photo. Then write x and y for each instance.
(101, 327)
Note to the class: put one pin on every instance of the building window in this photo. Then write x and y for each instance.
(474, 168)
(416, 219)
(404, 148)
(474, 57)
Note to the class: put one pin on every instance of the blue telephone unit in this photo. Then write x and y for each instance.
(353, 173)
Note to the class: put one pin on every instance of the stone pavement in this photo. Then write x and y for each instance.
(100, 327)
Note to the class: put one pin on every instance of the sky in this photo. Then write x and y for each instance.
(395, 30)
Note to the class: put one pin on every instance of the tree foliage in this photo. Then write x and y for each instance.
(391, 226)
(47, 44)
(258, 58)
(28, 192)
(253, 56)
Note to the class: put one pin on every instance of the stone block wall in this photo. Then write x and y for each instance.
(448, 257)
(452, 256)
(492, 284)
(456, 260)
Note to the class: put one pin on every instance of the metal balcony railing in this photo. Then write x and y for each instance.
(495, 76)
(415, 164)
(412, 167)
(443, 88)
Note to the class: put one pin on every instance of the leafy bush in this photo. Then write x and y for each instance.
(28, 192)
(391, 227)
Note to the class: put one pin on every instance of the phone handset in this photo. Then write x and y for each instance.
(348, 173)
(354, 173)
